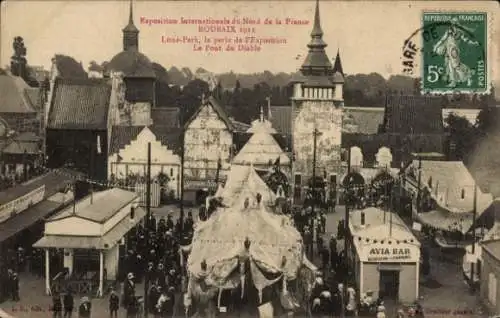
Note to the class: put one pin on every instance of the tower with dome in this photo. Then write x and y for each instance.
(136, 68)
(317, 104)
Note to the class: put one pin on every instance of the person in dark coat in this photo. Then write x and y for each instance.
(162, 226)
(170, 223)
(319, 243)
(154, 294)
(68, 303)
(128, 291)
(308, 242)
(57, 306)
(151, 223)
(333, 252)
(340, 229)
(15, 287)
(325, 256)
(189, 222)
(114, 304)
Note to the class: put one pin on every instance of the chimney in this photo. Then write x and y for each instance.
(362, 218)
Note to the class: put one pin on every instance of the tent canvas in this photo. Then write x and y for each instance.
(259, 150)
(245, 178)
(220, 243)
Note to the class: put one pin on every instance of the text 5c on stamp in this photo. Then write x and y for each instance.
(455, 55)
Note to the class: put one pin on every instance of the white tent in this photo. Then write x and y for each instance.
(260, 149)
(220, 243)
(242, 178)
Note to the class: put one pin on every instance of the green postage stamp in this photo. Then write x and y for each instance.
(454, 53)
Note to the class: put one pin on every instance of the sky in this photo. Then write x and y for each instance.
(369, 35)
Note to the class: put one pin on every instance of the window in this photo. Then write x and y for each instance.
(492, 289)
(463, 194)
(171, 172)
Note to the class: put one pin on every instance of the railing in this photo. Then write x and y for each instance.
(84, 284)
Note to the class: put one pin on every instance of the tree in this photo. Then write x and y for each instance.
(18, 61)
(487, 120)
(462, 137)
(190, 98)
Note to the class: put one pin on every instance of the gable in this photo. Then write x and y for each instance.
(72, 225)
(207, 117)
(136, 151)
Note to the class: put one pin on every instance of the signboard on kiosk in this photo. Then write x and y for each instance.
(22, 203)
(391, 253)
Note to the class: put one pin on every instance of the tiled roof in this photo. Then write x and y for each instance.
(166, 116)
(80, 104)
(13, 95)
(54, 182)
(169, 137)
(281, 118)
(417, 114)
(68, 67)
(124, 135)
(363, 120)
(218, 109)
(35, 97)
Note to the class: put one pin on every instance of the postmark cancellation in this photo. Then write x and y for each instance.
(454, 53)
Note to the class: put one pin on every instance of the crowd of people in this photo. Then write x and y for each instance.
(153, 257)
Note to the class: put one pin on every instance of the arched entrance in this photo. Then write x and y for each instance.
(382, 187)
(353, 186)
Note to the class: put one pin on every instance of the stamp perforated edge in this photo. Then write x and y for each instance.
(489, 30)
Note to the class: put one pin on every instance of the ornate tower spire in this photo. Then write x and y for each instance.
(317, 62)
(337, 66)
(130, 32)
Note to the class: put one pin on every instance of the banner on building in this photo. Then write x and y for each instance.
(22, 203)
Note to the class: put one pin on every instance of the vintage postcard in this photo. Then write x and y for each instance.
(305, 158)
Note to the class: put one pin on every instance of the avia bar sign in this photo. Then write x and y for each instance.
(389, 254)
(20, 204)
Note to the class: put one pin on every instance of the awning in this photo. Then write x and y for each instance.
(107, 241)
(27, 218)
(447, 221)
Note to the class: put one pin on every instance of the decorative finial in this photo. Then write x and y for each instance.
(131, 14)
(261, 114)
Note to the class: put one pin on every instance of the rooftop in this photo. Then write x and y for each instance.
(104, 205)
(54, 181)
(80, 104)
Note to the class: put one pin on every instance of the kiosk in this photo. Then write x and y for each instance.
(385, 255)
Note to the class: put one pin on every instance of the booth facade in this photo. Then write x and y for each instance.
(90, 233)
(385, 255)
